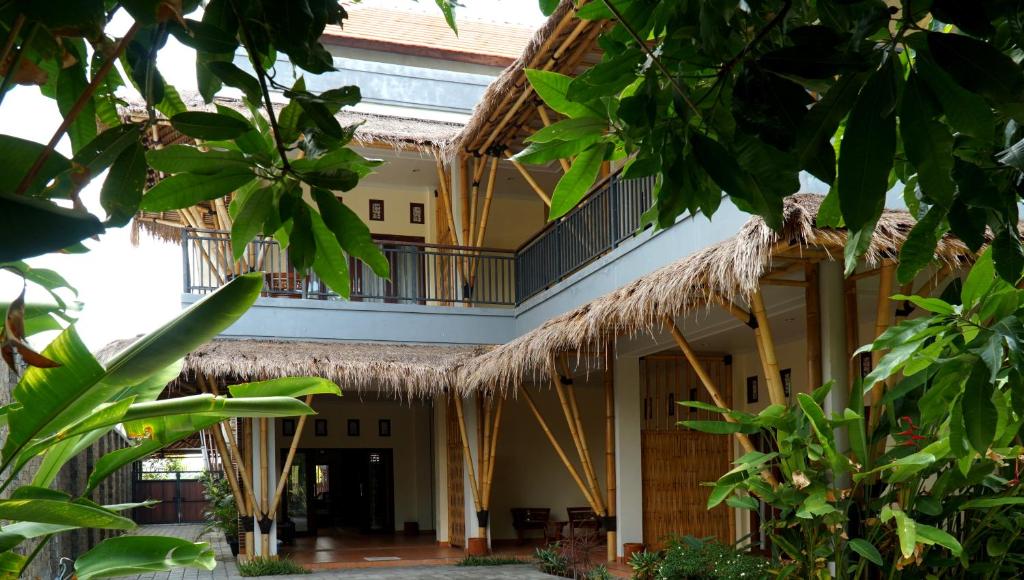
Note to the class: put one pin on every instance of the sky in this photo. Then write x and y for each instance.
(124, 290)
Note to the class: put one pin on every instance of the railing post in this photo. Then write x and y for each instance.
(613, 210)
(186, 276)
(177, 495)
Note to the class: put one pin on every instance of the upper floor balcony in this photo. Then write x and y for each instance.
(434, 274)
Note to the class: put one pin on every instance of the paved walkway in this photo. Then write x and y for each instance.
(227, 569)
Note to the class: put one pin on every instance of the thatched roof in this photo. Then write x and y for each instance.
(403, 370)
(730, 269)
(541, 52)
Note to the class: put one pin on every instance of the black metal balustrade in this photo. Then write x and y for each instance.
(438, 275)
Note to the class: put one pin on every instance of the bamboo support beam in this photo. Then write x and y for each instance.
(189, 220)
(446, 201)
(584, 451)
(763, 332)
(206, 385)
(229, 472)
(465, 449)
(483, 422)
(464, 198)
(288, 460)
(712, 390)
(530, 180)
(264, 445)
(485, 214)
(561, 453)
(609, 448)
(492, 451)
(812, 309)
(475, 199)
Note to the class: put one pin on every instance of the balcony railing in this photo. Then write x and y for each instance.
(438, 275)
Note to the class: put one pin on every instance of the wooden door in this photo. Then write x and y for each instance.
(676, 461)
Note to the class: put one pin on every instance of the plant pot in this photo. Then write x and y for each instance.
(476, 546)
(629, 549)
(233, 544)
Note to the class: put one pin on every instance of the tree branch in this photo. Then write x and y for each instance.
(12, 67)
(73, 113)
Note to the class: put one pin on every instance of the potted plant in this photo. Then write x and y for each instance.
(222, 513)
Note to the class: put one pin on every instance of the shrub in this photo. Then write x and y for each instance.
(222, 513)
(552, 561)
(599, 573)
(263, 566)
(690, 557)
(645, 565)
(489, 561)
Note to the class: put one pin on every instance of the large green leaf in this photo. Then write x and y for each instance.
(351, 232)
(570, 129)
(448, 9)
(723, 168)
(919, 249)
(71, 85)
(928, 143)
(330, 262)
(980, 415)
(542, 153)
(133, 555)
(211, 406)
(965, 111)
(188, 159)
(978, 66)
(286, 387)
(19, 155)
(866, 152)
(867, 550)
(552, 88)
(212, 126)
(814, 147)
(188, 189)
(255, 209)
(31, 227)
(233, 76)
(576, 182)
(62, 512)
(122, 189)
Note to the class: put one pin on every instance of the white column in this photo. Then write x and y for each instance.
(440, 443)
(469, 412)
(834, 364)
(629, 480)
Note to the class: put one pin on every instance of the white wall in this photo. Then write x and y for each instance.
(410, 441)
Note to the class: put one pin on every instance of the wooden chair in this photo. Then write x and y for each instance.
(526, 519)
(582, 520)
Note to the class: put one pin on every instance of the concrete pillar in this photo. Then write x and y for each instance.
(629, 480)
(833, 342)
(440, 443)
(257, 483)
(469, 412)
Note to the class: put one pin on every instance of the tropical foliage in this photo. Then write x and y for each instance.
(931, 486)
(742, 97)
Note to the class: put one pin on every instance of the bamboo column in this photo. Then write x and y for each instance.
(883, 320)
(567, 397)
(481, 531)
(279, 491)
(609, 450)
(812, 307)
(712, 389)
(776, 393)
(529, 180)
(484, 216)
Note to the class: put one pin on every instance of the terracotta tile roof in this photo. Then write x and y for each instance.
(427, 34)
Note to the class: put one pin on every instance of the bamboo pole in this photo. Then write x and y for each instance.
(530, 180)
(264, 484)
(446, 202)
(207, 385)
(558, 449)
(229, 473)
(188, 219)
(588, 465)
(544, 118)
(288, 460)
(489, 481)
(883, 320)
(812, 308)
(474, 199)
(609, 448)
(712, 390)
(485, 214)
(468, 455)
(576, 435)
(776, 393)
(483, 443)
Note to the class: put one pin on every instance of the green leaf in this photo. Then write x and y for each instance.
(19, 155)
(979, 280)
(713, 427)
(977, 66)
(719, 493)
(866, 550)
(351, 232)
(928, 144)
(448, 9)
(866, 153)
(122, 190)
(62, 512)
(188, 189)
(286, 387)
(991, 502)
(723, 168)
(233, 76)
(211, 406)
(919, 249)
(570, 129)
(979, 411)
(548, 6)
(71, 85)
(815, 150)
(249, 220)
(330, 262)
(934, 305)
(134, 555)
(906, 530)
(552, 88)
(576, 182)
(204, 36)
(542, 153)
(212, 126)
(31, 227)
(964, 110)
(931, 535)
(189, 159)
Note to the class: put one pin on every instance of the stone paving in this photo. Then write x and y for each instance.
(227, 569)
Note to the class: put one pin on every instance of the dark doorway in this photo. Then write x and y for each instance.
(334, 490)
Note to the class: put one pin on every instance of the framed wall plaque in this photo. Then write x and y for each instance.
(752, 393)
(417, 213)
(377, 210)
